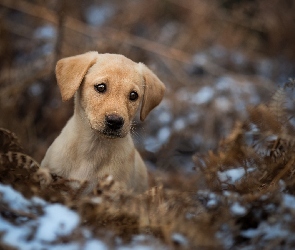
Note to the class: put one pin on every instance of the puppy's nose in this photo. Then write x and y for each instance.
(114, 122)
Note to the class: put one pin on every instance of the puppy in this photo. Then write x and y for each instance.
(96, 141)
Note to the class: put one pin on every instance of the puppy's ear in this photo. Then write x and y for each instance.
(153, 91)
(70, 72)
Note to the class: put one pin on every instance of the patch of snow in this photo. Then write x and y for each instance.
(17, 236)
(15, 200)
(209, 199)
(224, 234)
(42, 231)
(165, 117)
(70, 246)
(164, 134)
(200, 59)
(203, 96)
(213, 200)
(179, 124)
(143, 242)
(193, 117)
(180, 239)
(212, 203)
(238, 209)
(38, 201)
(289, 201)
(152, 144)
(231, 175)
(97, 15)
(266, 231)
(230, 194)
(58, 220)
(95, 245)
(224, 83)
(45, 32)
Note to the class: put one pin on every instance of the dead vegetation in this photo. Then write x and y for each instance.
(237, 192)
(211, 210)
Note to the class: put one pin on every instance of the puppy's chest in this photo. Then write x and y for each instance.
(88, 164)
(98, 163)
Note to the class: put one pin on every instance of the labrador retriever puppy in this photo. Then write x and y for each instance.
(96, 141)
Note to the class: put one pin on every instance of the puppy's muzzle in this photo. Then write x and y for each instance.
(114, 122)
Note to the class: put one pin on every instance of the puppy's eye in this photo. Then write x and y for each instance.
(133, 96)
(100, 88)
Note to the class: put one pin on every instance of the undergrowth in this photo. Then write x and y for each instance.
(209, 208)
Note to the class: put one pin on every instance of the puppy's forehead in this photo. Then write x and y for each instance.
(113, 66)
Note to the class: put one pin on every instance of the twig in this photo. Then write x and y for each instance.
(284, 170)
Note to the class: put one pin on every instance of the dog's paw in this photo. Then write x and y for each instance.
(43, 176)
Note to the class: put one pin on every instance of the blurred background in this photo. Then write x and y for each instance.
(216, 57)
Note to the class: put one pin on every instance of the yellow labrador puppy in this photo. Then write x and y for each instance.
(96, 141)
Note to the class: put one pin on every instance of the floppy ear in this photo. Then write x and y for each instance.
(153, 91)
(70, 72)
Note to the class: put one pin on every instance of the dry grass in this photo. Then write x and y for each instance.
(200, 206)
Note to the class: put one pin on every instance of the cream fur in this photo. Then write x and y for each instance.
(83, 151)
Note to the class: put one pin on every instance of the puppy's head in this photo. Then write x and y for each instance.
(110, 89)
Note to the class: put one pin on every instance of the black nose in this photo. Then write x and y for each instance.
(114, 122)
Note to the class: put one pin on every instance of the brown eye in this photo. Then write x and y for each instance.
(133, 96)
(100, 88)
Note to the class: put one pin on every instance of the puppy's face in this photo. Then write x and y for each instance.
(110, 95)
(110, 88)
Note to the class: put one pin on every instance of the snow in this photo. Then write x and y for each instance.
(212, 203)
(209, 199)
(225, 83)
(180, 239)
(267, 231)
(203, 96)
(95, 245)
(152, 144)
(45, 32)
(57, 221)
(97, 15)
(200, 59)
(15, 200)
(231, 175)
(143, 242)
(46, 224)
(237, 209)
(289, 201)
(163, 134)
(165, 117)
(179, 124)
(225, 235)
